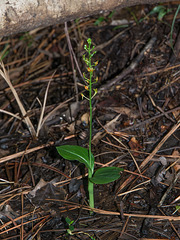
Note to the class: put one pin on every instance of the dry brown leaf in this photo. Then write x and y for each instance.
(126, 111)
(85, 119)
(134, 145)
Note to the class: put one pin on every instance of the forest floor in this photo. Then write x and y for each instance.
(136, 119)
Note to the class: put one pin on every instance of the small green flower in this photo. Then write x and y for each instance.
(89, 41)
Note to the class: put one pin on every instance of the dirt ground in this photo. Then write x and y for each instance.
(136, 119)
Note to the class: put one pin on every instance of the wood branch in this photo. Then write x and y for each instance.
(24, 15)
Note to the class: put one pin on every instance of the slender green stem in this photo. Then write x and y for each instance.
(90, 173)
(91, 191)
(90, 122)
(89, 88)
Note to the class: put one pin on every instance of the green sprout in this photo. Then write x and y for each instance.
(160, 10)
(4, 52)
(102, 19)
(70, 225)
(70, 230)
(83, 155)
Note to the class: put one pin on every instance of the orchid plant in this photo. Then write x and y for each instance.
(84, 155)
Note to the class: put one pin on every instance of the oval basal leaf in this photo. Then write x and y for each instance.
(72, 152)
(106, 175)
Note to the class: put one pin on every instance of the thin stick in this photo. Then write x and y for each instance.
(124, 227)
(20, 163)
(19, 154)
(22, 211)
(100, 211)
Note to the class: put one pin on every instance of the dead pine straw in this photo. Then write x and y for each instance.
(135, 126)
(27, 120)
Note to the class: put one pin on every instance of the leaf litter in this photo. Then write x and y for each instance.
(135, 127)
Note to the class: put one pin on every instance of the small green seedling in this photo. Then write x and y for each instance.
(103, 19)
(70, 230)
(4, 52)
(83, 155)
(160, 10)
(70, 225)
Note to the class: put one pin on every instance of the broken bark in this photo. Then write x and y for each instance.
(24, 15)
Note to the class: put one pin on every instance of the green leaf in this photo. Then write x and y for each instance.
(71, 227)
(177, 208)
(99, 21)
(161, 14)
(157, 9)
(71, 152)
(111, 14)
(68, 220)
(106, 175)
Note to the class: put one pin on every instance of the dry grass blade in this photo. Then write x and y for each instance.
(27, 120)
(42, 111)
(11, 114)
(40, 123)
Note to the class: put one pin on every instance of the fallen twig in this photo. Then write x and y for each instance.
(100, 211)
(19, 154)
